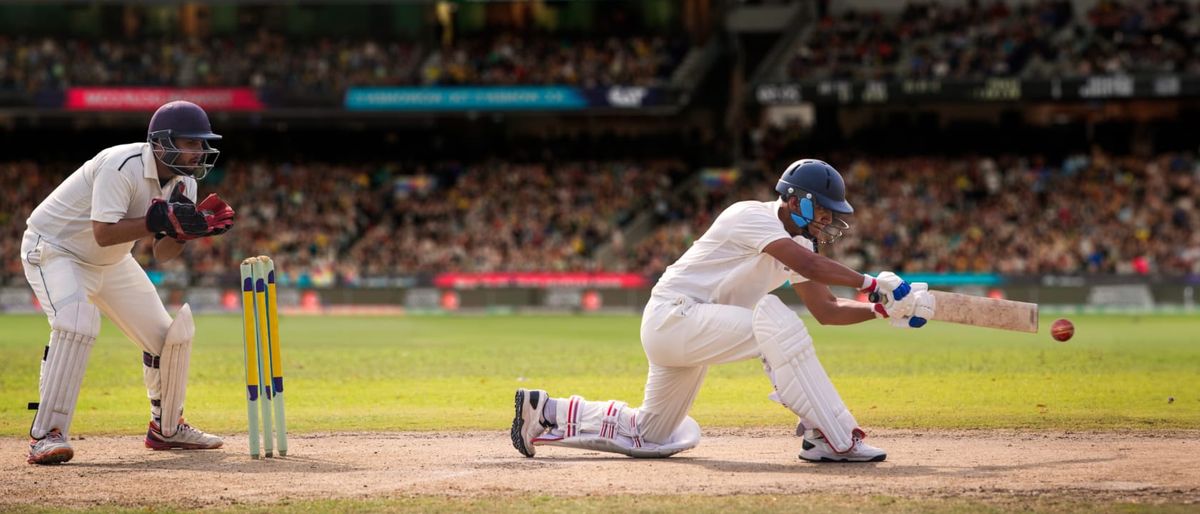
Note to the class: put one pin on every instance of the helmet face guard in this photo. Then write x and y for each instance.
(174, 157)
(829, 232)
(816, 183)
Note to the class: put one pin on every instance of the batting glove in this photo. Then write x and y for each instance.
(921, 307)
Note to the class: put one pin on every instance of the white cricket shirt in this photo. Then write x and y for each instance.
(727, 264)
(118, 183)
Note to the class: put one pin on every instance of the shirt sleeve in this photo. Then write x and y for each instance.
(794, 277)
(758, 228)
(111, 192)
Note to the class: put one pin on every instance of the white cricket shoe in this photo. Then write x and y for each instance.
(186, 437)
(817, 449)
(527, 422)
(52, 449)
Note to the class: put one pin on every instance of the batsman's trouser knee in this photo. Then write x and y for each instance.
(682, 338)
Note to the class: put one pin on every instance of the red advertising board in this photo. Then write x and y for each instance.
(150, 98)
(540, 280)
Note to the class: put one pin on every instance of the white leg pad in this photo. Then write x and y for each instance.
(72, 335)
(173, 369)
(612, 427)
(800, 381)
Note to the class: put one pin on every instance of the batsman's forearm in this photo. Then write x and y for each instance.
(849, 312)
(124, 231)
(812, 265)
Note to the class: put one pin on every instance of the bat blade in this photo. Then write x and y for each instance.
(986, 312)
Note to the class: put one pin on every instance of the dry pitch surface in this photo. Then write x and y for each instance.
(987, 465)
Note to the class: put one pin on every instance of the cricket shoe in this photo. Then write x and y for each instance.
(186, 437)
(52, 449)
(527, 422)
(816, 449)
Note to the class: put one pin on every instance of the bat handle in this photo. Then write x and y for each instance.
(875, 297)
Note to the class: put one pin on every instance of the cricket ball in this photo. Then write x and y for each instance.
(1062, 330)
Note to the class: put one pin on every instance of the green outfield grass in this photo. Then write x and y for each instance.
(449, 372)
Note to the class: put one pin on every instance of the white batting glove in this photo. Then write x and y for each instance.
(886, 284)
(922, 305)
(888, 307)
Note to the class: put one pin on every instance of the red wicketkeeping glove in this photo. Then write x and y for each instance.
(218, 216)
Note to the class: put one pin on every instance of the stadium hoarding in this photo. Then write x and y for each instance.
(541, 279)
(150, 98)
(996, 89)
(507, 98)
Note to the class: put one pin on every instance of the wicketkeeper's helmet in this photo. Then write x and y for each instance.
(183, 119)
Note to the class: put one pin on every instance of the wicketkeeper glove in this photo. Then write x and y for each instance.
(183, 220)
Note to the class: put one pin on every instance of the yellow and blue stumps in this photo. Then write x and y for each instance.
(264, 363)
(250, 343)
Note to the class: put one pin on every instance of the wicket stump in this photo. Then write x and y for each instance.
(264, 364)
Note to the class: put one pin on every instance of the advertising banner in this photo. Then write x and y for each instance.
(463, 98)
(150, 98)
(535, 279)
(501, 98)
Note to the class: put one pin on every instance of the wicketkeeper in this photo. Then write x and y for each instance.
(76, 254)
(712, 307)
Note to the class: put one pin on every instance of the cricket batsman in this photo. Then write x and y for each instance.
(76, 255)
(712, 307)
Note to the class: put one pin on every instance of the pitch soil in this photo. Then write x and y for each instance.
(985, 465)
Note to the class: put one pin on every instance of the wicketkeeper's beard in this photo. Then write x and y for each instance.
(826, 233)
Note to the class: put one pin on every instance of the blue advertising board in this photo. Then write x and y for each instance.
(499, 98)
(463, 98)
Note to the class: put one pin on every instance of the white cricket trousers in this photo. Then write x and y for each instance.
(121, 291)
(682, 338)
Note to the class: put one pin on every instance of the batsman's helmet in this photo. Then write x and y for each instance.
(187, 120)
(816, 181)
(816, 178)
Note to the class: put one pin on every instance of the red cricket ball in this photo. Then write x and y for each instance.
(1062, 330)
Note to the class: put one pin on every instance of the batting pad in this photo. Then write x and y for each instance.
(685, 437)
(173, 371)
(800, 381)
(72, 335)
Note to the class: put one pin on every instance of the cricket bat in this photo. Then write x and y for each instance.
(981, 311)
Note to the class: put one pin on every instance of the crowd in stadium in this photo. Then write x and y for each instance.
(508, 58)
(262, 59)
(329, 65)
(1040, 39)
(500, 216)
(339, 224)
(1122, 215)
(343, 223)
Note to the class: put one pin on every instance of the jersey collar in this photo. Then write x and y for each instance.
(149, 170)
